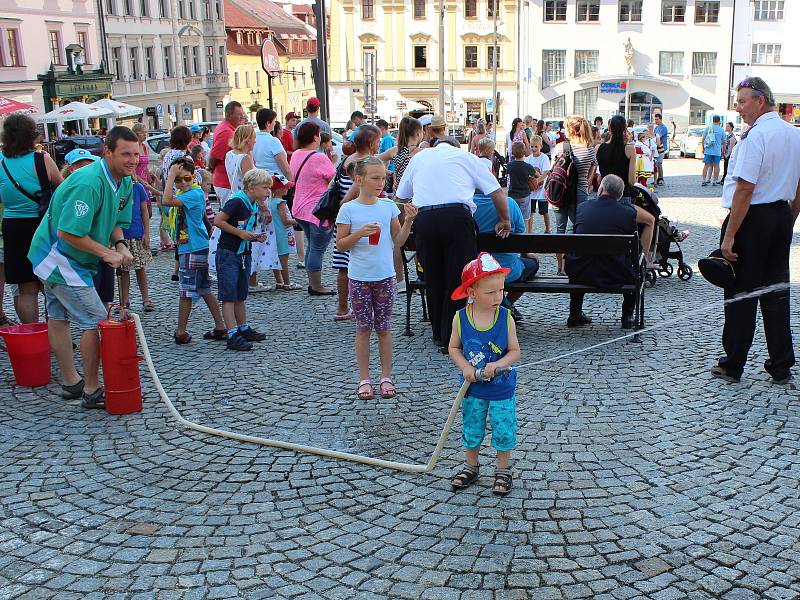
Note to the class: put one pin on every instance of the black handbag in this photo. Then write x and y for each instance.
(44, 193)
(328, 204)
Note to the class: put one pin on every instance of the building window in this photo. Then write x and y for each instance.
(704, 63)
(239, 37)
(162, 9)
(697, 111)
(221, 56)
(209, 59)
(134, 57)
(149, 73)
(555, 10)
(258, 38)
(181, 10)
(420, 57)
(191, 10)
(670, 63)
(766, 54)
(185, 57)
(553, 67)
(673, 11)
(116, 59)
(630, 11)
(471, 9)
(490, 54)
(55, 47)
(83, 42)
(706, 12)
(127, 7)
(13, 48)
(258, 78)
(367, 9)
(195, 60)
(555, 108)
(587, 11)
(249, 38)
(207, 10)
(586, 102)
(419, 9)
(144, 8)
(236, 79)
(218, 8)
(768, 10)
(247, 79)
(470, 57)
(168, 61)
(110, 8)
(586, 61)
(491, 6)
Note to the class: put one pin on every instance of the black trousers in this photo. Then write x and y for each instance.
(576, 304)
(446, 241)
(724, 167)
(762, 243)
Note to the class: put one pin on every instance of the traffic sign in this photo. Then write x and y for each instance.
(160, 109)
(270, 61)
(186, 111)
(489, 105)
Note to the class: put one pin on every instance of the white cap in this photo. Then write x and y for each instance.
(425, 120)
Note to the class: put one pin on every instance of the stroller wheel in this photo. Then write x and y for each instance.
(649, 278)
(665, 270)
(684, 272)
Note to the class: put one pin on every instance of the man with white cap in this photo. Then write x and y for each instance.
(441, 182)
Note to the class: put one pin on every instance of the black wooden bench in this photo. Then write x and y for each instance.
(578, 244)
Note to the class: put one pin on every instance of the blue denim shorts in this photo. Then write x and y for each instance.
(79, 305)
(233, 273)
(711, 159)
(502, 415)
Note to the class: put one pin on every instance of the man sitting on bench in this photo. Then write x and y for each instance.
(521, 268)
(603, 215)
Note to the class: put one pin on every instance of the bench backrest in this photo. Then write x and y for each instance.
(571, 243)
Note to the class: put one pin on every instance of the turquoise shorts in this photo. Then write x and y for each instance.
(502, 415)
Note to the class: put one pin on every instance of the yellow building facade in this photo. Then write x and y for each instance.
(404, 38)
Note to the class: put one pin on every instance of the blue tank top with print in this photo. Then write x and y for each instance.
(484, 346)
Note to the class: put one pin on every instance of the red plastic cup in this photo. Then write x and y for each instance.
(375, 238)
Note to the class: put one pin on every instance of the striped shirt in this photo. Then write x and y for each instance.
(584, 159)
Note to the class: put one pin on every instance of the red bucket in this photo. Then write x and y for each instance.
(29, 351)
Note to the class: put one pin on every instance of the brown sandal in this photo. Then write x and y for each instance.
(466, 477)
(502, 482)
(182, 339)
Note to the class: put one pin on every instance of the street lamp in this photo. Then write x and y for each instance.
(255, 96)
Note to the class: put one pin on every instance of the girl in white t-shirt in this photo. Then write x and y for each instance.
(538, 160)
(361, 228)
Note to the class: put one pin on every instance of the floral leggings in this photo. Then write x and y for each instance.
(372, 304)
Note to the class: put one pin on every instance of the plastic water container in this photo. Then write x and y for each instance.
(28, 349)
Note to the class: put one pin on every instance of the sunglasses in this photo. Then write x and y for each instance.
(753, 87)
(184, 179)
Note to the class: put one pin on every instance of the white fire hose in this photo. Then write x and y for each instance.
(388, 464)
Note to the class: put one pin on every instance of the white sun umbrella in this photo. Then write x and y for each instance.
(74, 111)
(120, 110)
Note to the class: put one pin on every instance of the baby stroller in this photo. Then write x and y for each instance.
(669, 234)
(665, 234)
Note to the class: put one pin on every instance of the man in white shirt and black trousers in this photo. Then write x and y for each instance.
(441, 182)
(762, 192)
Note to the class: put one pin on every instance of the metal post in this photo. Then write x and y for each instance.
(452, 95)
(322, 59)
(494, 70)
(627, 100)
(269, 89)
(441, 56)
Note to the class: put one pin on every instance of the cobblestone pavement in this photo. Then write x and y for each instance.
(637, 475)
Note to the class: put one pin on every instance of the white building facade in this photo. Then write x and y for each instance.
(38, 50)
(593, 57)
(766, 44)
(168, 57)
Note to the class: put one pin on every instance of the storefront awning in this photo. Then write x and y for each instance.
(597, 78)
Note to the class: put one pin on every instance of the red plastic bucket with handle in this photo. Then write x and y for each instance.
(29, 351)
(120, 366)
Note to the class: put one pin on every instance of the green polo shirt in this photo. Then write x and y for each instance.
(89, 203)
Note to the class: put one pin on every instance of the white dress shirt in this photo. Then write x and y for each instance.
(445, 175)
(768, 156)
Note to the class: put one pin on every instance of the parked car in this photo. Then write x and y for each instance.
(92, 143)
(691, 144)
(155, 144)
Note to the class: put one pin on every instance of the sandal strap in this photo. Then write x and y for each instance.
(467, 475)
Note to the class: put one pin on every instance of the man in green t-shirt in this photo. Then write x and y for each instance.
(83, 226)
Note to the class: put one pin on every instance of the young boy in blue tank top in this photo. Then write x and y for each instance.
(484, 337)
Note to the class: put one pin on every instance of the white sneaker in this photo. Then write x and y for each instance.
(400, 287)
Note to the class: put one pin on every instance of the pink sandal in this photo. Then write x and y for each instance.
(364, 390)
(387, 388)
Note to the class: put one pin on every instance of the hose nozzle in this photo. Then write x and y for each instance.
(480, 376)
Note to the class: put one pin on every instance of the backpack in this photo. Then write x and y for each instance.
(545, 145)
(561, 187)
(710, 138)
